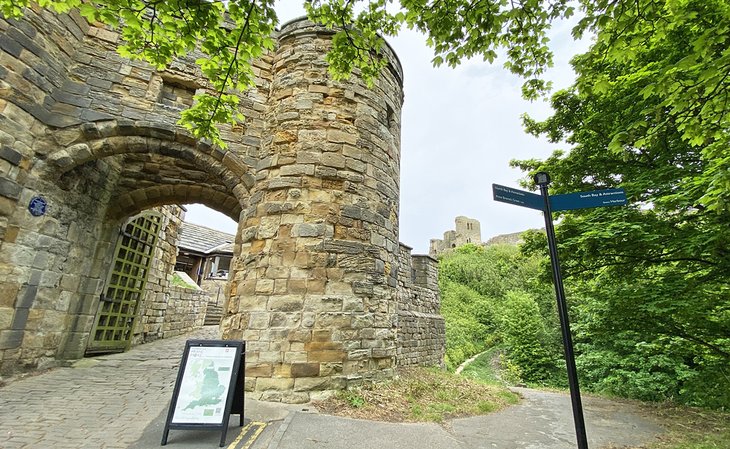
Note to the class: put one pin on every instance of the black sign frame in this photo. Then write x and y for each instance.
(234, 402)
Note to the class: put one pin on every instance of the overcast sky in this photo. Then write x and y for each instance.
(460, 129)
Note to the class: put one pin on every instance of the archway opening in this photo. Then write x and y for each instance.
(104, 187)
(205, 252)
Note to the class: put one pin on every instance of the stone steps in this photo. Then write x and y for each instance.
(213, 315)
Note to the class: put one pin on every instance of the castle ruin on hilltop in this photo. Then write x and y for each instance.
(467, 230)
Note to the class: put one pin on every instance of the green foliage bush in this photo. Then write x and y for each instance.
(649, 282)
(466, 335)
(495, 296)
(527, 339)
(657, 337)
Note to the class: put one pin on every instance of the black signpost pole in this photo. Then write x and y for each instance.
(542, 179)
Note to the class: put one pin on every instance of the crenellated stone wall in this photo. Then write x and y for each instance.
(421, 328)
(312, 177)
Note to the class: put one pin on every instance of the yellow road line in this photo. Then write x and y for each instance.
(257, 432)
(259, 427)
(239, 437)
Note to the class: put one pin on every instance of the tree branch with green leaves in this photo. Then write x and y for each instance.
(691, 77)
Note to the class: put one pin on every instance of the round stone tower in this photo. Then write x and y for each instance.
(314, 290)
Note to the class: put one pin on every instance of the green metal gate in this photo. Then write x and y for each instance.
(117, 312)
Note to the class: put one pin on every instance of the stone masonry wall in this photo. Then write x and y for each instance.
(312, 177)
(216, 290)
(185, 311)
(50, 266)
(95, 135)
(317, 304)
(421, 328)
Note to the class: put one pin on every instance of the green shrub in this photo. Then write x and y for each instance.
(526, 338)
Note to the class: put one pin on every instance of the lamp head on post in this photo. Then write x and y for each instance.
(541, 178)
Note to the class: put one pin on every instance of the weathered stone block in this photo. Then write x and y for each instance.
(6, 316)
(333, 160)
(326, 356)
(308, 230)
(10, 339)
(285, 320)
(330, 369)
(9, 154)
(264, 286)
(259, 370)
(323, 346)
(296, 355)
(337, 136)
(315, 383)
(8, 294)
(10, 189)
(259, 320)
(305, 369)
(338, 288)
(279, 384)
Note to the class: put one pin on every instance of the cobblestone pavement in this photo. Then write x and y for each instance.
(101, 402)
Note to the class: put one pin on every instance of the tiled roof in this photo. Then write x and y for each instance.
(199, 239)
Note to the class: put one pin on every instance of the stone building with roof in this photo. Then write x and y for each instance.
(204, 253)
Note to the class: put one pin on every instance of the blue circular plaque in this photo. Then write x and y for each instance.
(37, 206)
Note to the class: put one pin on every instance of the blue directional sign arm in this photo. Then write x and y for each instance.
(517, 197)
(585, 200)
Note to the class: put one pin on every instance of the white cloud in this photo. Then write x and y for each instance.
(204, 216)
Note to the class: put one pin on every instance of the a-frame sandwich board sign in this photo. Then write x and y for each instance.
(209, 387)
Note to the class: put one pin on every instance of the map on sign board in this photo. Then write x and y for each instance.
(204, 386)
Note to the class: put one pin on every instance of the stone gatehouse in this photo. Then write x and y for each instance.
(320, 287)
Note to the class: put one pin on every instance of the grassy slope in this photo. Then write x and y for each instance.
(419, 394)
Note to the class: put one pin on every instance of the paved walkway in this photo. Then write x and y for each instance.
(121, 400)
(101, 402)
(542, 420)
